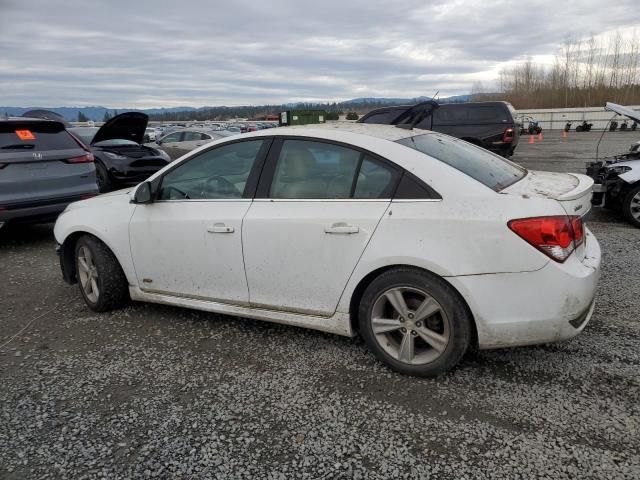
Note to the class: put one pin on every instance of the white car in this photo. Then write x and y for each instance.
(423, 244)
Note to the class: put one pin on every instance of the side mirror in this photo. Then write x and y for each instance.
(143, 194)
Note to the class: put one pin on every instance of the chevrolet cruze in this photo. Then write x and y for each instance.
(423, 244)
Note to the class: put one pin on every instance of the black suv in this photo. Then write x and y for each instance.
(490, 125)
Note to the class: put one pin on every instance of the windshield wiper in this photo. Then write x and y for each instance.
(18, 146)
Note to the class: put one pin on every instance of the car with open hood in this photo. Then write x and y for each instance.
(617, 178)
(120, 155)
(421, 243)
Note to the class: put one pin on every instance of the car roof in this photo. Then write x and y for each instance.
(324, 130)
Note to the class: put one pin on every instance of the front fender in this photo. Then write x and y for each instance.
(110, 226)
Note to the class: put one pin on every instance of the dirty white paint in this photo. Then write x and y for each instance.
(279, 262)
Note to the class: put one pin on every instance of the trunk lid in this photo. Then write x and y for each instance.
(128, 126)
(572, 190)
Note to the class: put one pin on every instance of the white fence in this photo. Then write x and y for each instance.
(556, 118)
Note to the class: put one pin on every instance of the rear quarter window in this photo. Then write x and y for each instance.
(42, 136)
(487, 168)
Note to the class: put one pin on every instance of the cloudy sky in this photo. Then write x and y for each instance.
(144, 54)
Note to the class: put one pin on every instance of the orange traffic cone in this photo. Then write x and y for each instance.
(540, 137)
(531, 139)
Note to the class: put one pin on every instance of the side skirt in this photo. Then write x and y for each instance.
(338, 324)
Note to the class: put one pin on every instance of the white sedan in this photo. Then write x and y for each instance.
(423, 244)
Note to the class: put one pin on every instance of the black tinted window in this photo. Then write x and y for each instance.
(412, 188)
(384, 118)
(462, 114)
(488, 168)
(221, 172)
(35, 136)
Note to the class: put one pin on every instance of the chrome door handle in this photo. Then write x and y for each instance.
(219, 228)
(341, 227)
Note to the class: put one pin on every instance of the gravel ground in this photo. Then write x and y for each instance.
(160, 392)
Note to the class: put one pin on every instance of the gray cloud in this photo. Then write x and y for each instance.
(148, 54)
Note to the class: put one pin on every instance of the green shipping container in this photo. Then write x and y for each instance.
(302, 117)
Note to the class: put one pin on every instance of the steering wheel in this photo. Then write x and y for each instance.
(217, 185)
(172, 188)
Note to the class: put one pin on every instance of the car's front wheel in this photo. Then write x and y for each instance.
(631, 206)
(414, 322)
(102, 282)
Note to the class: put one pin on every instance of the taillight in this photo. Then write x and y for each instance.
(83, 158)
(578, 230)
(87, 158)
(556, 236)
(508, 135)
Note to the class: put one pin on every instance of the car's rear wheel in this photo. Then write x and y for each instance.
(631, 206)
(414, 322)
(102, 282)
(102, 178)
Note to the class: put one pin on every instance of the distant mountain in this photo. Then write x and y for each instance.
(92, 113)
(98, 113)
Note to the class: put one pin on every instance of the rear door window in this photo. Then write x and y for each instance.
(488, 168)
(41, 136)
(318, 170)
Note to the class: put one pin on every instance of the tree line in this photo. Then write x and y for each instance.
(584, 73)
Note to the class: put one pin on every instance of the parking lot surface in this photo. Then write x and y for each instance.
(155, 392)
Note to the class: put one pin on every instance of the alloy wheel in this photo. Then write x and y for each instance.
(88, 273)
(410, 325)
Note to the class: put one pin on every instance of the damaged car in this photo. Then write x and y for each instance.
(617, 178)
(121, 159)
(421, 243)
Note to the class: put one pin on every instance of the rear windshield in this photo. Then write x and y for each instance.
(488, 168)
(38, 136)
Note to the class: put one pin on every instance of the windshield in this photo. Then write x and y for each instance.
(488, 168)
(115, 142)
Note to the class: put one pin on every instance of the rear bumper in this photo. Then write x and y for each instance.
(548, 305)
(40, 211)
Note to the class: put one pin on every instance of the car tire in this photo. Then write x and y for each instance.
(409, 342)
(102, 282)
(631, 206)
(102, 178)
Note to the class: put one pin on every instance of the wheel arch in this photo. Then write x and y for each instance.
(356, 296)
(68, 258)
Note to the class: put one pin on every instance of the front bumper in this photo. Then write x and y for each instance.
(548, 305)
